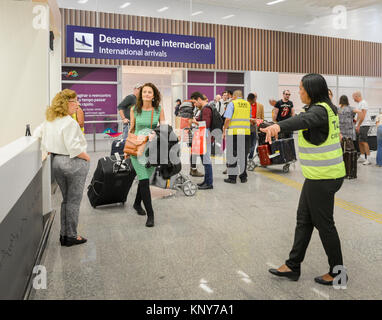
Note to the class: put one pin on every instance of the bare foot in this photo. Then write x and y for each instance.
(284, 268)
(327, 277)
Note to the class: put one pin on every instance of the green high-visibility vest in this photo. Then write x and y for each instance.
(326, 160)
(240, 122)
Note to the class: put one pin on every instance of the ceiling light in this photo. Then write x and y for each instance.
(227, 17)
(196, 13)
(82, 1)
(162, 9)
(274, 2)
(126, 4)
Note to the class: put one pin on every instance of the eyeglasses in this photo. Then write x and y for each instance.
(287, 94)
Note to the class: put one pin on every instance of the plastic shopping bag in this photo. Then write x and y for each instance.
(199, 142)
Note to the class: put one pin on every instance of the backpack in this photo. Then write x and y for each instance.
(217, 121)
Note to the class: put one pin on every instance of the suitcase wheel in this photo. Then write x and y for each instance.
(286, 168)
(251, 165)
(189, 188)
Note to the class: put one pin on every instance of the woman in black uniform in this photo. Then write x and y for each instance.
(322, 165)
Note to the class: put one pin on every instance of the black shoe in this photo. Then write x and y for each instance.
(139, 210)
(74, 241)
(150, 222)
(230, 181)
(63, 240)
(320, 280)
(243, 180)
(292, 275)
(225, 171)
(205, 187)
(201, 184)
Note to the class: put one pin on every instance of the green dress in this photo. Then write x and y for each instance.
(142, 127)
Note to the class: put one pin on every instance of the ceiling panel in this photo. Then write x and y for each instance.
(291, 7)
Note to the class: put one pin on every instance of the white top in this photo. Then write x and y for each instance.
(364, 106)
(61, 136)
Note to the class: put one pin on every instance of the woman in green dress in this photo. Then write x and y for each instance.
(143, 118)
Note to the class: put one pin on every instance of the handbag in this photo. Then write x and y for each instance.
(135, 145)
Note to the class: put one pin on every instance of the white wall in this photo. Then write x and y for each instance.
(265, 84)
(24, 88)
(55, 68)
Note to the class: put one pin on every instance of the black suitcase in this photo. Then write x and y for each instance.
(117, 147)
(111, 181)
(372, 142)
(350, 158)
(285, 150)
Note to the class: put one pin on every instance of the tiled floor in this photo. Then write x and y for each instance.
(215, 245)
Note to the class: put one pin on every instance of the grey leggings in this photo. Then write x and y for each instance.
(70, 174)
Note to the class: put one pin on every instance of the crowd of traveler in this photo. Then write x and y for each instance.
(321, 126)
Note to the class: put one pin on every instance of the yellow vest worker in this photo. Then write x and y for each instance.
(322, 165)
(240, 121)
(326, 160)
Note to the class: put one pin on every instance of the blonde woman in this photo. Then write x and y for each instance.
(62, 137)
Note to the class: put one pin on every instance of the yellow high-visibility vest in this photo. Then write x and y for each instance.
(326, 160)
(240, 123)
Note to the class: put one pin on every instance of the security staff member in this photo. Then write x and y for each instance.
(237, 121)
(323, 168)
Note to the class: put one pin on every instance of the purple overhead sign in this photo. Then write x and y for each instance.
(101, 43)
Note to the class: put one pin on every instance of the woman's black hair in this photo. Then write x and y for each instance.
(344, 100)
(317, 89)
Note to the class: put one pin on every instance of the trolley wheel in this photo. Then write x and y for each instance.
(189, 188)
(180, 180)
(251, 165)
(286, 168)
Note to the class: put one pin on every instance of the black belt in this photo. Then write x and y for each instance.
(58, 154)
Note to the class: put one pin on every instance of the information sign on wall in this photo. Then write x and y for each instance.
(101, 43)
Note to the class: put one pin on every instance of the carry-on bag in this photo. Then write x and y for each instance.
(117, 147)
(111, 181)
(284, 150)
(263, 152)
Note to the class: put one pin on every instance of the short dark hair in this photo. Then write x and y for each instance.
(230, 92)
(317, 89)
(251, 96)
(195, 95)
(178, 100)
(344, 100)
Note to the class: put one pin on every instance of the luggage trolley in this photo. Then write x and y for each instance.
(286, 151)
(179, 181)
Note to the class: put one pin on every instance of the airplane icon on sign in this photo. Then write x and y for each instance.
(83, 41)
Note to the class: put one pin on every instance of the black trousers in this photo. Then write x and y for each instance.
(237, 155)
(315, 209)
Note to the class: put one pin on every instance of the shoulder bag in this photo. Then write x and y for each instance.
(135, 145)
